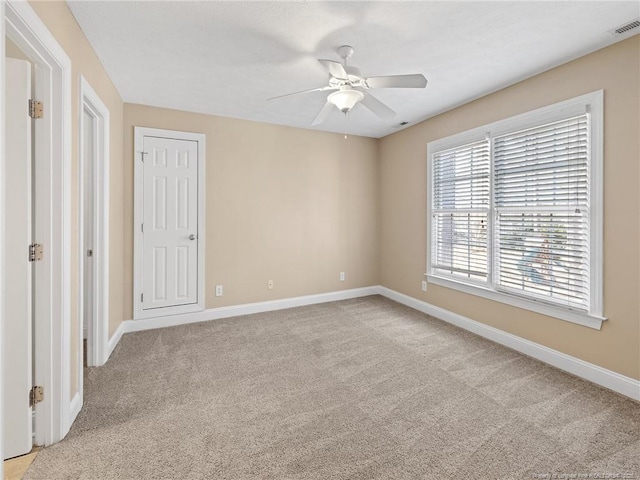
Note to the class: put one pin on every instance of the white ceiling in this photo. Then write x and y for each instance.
(227, 58)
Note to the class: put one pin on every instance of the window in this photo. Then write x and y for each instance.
(460, 209)
(515, 211)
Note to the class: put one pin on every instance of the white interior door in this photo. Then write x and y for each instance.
(170, 223)
(17, 361)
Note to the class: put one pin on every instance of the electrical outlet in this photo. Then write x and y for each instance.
(342, 276)
(218, 290)
(424, 285)
(270, 284)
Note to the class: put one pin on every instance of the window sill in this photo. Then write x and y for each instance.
(573, 316)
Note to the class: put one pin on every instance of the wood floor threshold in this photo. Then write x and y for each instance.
(15, 468)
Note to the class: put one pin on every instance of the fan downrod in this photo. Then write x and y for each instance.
(345, 52)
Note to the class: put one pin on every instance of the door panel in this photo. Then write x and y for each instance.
(17, 361)
(170, 223)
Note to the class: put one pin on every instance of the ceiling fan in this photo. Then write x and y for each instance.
(351, 88)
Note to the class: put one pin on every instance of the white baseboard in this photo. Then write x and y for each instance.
(607, 378)
(114, 340)
(245, 309)
(74, 408)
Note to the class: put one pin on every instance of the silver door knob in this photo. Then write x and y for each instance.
(192, 237)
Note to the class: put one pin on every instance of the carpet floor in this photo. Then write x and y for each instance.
(357, 389)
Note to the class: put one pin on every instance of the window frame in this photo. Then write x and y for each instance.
(594, 104)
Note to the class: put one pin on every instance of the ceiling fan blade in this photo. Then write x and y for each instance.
(377, 107)
(416, 80)
(323, 114)
(335, 69)
(319, 89)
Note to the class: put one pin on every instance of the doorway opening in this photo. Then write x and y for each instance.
(93, 177)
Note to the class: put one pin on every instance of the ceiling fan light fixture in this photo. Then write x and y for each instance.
(345, 99)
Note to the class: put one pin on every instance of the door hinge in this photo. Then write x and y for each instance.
(142, 298)
(142, 227)
(89, 253)
(36, 252)
(142, 154)
(36, 395)
(35, 109)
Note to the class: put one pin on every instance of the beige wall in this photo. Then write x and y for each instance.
(58, 19)
(291, 205)
(11, 50)
(403, 172)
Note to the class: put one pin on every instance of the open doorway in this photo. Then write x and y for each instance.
(93, 225)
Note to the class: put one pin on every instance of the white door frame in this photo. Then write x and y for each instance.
(98, 331)
(139, 134)
(53, 216)
(2, 206)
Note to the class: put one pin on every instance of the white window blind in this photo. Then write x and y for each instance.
(461, 192)
(516, 210)
(542, 212)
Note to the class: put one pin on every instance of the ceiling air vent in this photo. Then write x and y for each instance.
(627, 27)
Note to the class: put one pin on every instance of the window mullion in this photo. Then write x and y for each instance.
(491, 240)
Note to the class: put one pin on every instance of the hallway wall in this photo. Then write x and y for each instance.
(62, 24)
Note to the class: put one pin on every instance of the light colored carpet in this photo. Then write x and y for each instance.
(358, 389)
